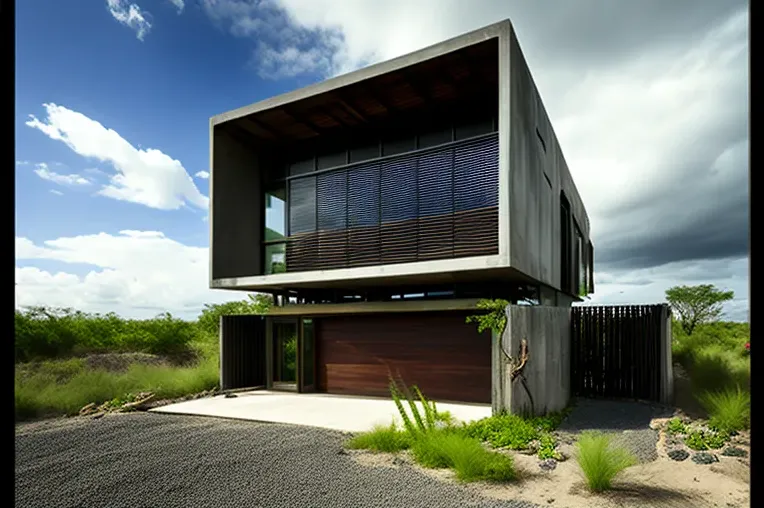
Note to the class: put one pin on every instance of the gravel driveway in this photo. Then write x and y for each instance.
(145, 460)
(628, 420)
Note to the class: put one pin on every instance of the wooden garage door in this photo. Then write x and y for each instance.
(438, 352)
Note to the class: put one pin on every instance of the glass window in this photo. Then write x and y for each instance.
(275, 258)
(302, 167)
(302, 205)
(275, 202)
(364, 152)
(435, 137)
(332, 160)
(395, 146)
(464, 130)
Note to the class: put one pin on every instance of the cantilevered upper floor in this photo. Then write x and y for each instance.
(439, 167)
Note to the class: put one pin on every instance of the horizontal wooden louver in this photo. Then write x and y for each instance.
(435, 204)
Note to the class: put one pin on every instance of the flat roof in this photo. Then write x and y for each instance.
(378, 69)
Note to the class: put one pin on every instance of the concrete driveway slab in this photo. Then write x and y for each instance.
(335, 412)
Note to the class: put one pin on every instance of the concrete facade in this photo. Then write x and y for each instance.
(547, 371)
(532, 173)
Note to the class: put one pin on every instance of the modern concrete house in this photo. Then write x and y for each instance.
(379, 206)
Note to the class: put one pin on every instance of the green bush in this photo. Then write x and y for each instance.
(466, 456)
(600, 461)
(381, 439)
(512, 431)
(548, 447)
(729, 410)
(676, 426)
(42, 333)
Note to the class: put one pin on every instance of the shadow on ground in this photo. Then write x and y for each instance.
(612, 415)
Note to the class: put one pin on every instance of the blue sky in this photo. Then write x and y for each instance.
(113, 100)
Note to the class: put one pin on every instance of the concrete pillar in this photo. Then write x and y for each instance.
(666, 360)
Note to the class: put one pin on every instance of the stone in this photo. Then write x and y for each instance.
(734, 451)
(704, 458)
(548, 464)
(678, 454)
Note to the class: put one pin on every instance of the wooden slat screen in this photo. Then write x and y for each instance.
(438, 203)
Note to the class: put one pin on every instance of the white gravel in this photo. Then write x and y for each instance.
(146, 460)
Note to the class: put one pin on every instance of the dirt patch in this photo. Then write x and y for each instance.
(662, 482)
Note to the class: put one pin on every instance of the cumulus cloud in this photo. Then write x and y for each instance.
(179, 4)
(137, 273)
(131, 15)
(204, 175)
(145, 176)
(45, 173)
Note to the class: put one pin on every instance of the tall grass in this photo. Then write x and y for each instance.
(729, 410)
(600, 461)
(45, 393)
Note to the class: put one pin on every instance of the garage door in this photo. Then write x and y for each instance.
(438, 352)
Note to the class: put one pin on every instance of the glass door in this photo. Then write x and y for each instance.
(284, 338)
(307, 357)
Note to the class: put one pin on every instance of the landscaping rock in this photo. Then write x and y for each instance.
(548, 464)
(734, 451)
(704, 458)
(88, 409)
(678, 455)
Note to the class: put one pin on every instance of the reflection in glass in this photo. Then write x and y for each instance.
(275, 258)
(275, 228)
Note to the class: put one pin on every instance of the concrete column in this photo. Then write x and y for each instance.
(666, 359)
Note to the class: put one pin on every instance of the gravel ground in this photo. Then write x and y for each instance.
(628, 420)
(144, 459)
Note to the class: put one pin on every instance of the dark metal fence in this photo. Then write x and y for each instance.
(242, 352)
(616, 351)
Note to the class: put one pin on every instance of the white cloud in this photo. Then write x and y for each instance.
(56, 192)
(180, 4)
(648, 286)
(202, 174)
(145, 176)
(130, 15)
(138, 273)
(22, 163)
(72, 179)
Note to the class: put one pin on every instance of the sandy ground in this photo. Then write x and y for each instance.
(663, 482)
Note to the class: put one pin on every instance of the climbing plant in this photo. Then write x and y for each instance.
(493, 319)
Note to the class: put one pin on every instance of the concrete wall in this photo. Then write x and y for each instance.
(547, 372)
(236, 209)
(537, 174)
(667, 362)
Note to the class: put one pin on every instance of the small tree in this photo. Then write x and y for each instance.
(696, 305)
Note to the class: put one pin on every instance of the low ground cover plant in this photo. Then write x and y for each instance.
(600, 461)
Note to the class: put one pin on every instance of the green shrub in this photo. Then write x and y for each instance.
(548, 447)
(699, 440)
(511, 431)
(729, 410)
(381, 439)
(469, 459)
(599, 461)
(676, 426)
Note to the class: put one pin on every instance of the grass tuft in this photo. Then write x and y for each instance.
(601, 462)
(466, 456)
(729, 410)
(388, 439)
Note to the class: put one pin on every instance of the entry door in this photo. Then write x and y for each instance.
(285, 342)
(307, 357)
